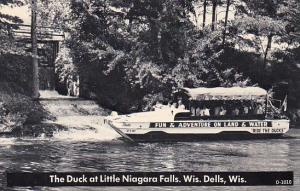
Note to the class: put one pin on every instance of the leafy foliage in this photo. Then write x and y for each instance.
(143, 48)
(8, 45)
(130, 53)
(17, 109)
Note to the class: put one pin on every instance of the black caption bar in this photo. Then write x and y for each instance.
(54, 179)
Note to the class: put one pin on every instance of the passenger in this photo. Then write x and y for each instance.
(246, 110)
(222, 111)
(193, 111)
(206, 111)
(236, 111)
(259, 110)
(252, 108)
(158, 106)
(174, 105)
(217, 111)
(251, 111)
(198, 111)
(180, 105)
(201, 111)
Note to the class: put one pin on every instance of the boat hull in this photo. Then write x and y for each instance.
(202, 130)
(159, 136)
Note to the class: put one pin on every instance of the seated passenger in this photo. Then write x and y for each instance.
(202, 112)
(259, 110)
(198, 111)
(246, 110)
(217, 111)
(251, 110)
(157, 106)
(236, 111)
(180, 105)
(174, 105)
(222, 111)
(206, 111)
(193, 111)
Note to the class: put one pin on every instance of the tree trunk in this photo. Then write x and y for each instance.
(159, 43)
(204, 12)
(226, 20)
(35, 66)
(267, 50)
(213, 16)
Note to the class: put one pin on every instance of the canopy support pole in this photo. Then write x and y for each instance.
(267, 104)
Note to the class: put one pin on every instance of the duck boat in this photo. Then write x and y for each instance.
(189, 123)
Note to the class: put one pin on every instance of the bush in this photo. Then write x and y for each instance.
(17, 110)
(17, 70)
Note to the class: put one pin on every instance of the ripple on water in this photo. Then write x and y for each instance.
(84, 155)
(87, 135)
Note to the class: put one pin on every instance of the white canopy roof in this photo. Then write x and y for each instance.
(221, 93)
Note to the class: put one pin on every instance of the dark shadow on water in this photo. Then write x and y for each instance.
(290, 137)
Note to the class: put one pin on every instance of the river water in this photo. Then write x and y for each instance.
(82, 151)
(90, 146)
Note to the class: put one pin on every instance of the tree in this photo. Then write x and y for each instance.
(13, 55)
(213, 16)
(145, 48)
(260, 19)
(8, 45)
(291, 14)
(35, 66)
(226, 20)
(204, 12)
